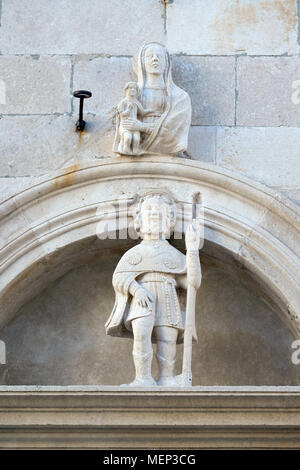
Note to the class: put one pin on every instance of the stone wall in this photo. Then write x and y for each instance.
(238, 59)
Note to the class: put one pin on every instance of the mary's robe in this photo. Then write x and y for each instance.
(170, 135)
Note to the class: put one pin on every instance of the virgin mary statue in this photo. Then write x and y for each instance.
(164, 127)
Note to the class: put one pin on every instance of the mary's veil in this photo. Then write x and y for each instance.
(173, 124)
(141, 71)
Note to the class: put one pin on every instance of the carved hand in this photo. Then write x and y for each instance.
(144, 298)
(135, 125)
(193, 236)
(132, 125)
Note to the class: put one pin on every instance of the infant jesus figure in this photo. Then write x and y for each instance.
(129, 107)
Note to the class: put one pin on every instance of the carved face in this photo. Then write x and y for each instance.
(155, 59)
(131, 91)
(155, 218)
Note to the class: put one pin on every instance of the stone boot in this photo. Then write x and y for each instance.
(166, 371)
(143, 376)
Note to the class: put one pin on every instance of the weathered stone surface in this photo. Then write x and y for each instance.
(89, 417)
(210, 82)
(76, 27)
(13, 185)
(268, 91)
(230, 27)
(35, 85)
(106, 78)
(241, 338)
(202, 143)
(36, 145)
(268, 155)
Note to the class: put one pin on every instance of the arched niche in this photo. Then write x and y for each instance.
(50, 228)
(58, 337)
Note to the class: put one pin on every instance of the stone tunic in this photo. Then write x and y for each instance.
(166, 309)
(154, 265)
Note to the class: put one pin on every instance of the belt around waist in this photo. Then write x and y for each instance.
(153, 277)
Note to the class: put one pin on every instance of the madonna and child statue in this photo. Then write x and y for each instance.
(155, 115)
(154, 118)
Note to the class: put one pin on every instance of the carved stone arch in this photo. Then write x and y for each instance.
(52, 226)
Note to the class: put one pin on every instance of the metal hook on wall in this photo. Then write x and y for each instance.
(82, 95)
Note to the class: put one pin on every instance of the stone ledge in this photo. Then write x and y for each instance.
(115, 417)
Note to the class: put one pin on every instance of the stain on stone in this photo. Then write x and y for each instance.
(286, 12)
(238, 18)
(231, 18)
(80, 135)
(66, 179)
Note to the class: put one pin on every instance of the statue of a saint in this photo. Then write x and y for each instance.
(165, 129)
(146, 280)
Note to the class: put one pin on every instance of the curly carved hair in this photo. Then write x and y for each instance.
(131, 84)
(165, 199)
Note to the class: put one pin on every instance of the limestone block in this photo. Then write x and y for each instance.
(76, 27)
(35, 145)
(268, 91)
(105, 77)
(35, 85)
(230, 27)
(210, 82)
(268, 155)
(202, 143)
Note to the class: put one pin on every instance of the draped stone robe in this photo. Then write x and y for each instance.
(172, 112)
(160, 259)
